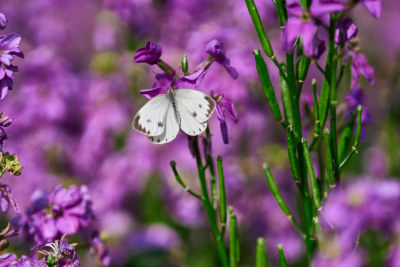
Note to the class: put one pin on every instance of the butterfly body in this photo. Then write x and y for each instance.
(164, 115)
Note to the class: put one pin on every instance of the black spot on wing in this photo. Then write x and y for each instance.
(194, 114)
(137, 126)
(160, 124)
(211, 105)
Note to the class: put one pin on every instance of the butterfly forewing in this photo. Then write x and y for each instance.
(150, 119)
(171, 128)
(195, 108)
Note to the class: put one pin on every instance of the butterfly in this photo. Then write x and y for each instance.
(162, 117)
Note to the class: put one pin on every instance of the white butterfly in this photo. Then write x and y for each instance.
(162, 117)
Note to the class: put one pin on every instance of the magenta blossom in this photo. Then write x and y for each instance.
(64, 211)
(346, 30)
(9, 48)
(360, 67)
(214, 48)
(164, 81)
(224, 105)
(10, 259)
(150, 54)
(304, 24)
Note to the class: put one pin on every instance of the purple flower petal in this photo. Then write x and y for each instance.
(374, 7)
(308, 31)
(294, 8)
(292, 30)
(322, 8)
(3, 21)
(214, 48)
(150, 93)
(67, 224)
(348, 30)
(150, 54)
(224, 131)
(191, 81)
(229, 107)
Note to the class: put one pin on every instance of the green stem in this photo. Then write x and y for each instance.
(282, 258)
(261, 253)
(273, 186)
(207, 205)
(222, 195)
(357, 137)
(233, 240)
(180, 181)
(311, 174)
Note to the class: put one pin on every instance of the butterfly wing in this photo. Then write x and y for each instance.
(194, 108)
(150, 119)
(171, 128)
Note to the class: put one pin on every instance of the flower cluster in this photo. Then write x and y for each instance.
(370, 205)
(64, 211)
(9, 48)
(58, 253)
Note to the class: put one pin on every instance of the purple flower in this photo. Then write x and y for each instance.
(150, 54)
(224, 105)
(360, 67)
(354, 98)
(7, 199)
(302, 24)
(214, 48)
(9, 47)
(164, 81)
(347, 30)
(10, 259)
(64, 211)
(3, 21)
(368, 204)
(99, 249)
(373, 6)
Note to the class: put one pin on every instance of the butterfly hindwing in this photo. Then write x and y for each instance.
(171, 128)
(150, 119)
(195, 108)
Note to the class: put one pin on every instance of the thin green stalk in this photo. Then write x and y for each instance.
(233, 253)
(329, 160)
(357, 138)
(273, 186)
(222, 196)
(282, 258)
(265, 44)
(292, 154)
(207, 205)
(346, 136)
(269, 92)
(333, 101)
(317, 123)
(180, 181)
(165, 67)
(311, 174)
(261, 253)
(282, 13)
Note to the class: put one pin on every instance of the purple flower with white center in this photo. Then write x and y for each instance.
(224, 105)
(9, 48)
(7, 199)
(64, 211)
(99, 250)
(10, 259)
(150, 54)
(347, 30)
(214, 48)
(360, 67)
(3, 21)
(302, 24)
(164, 81)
